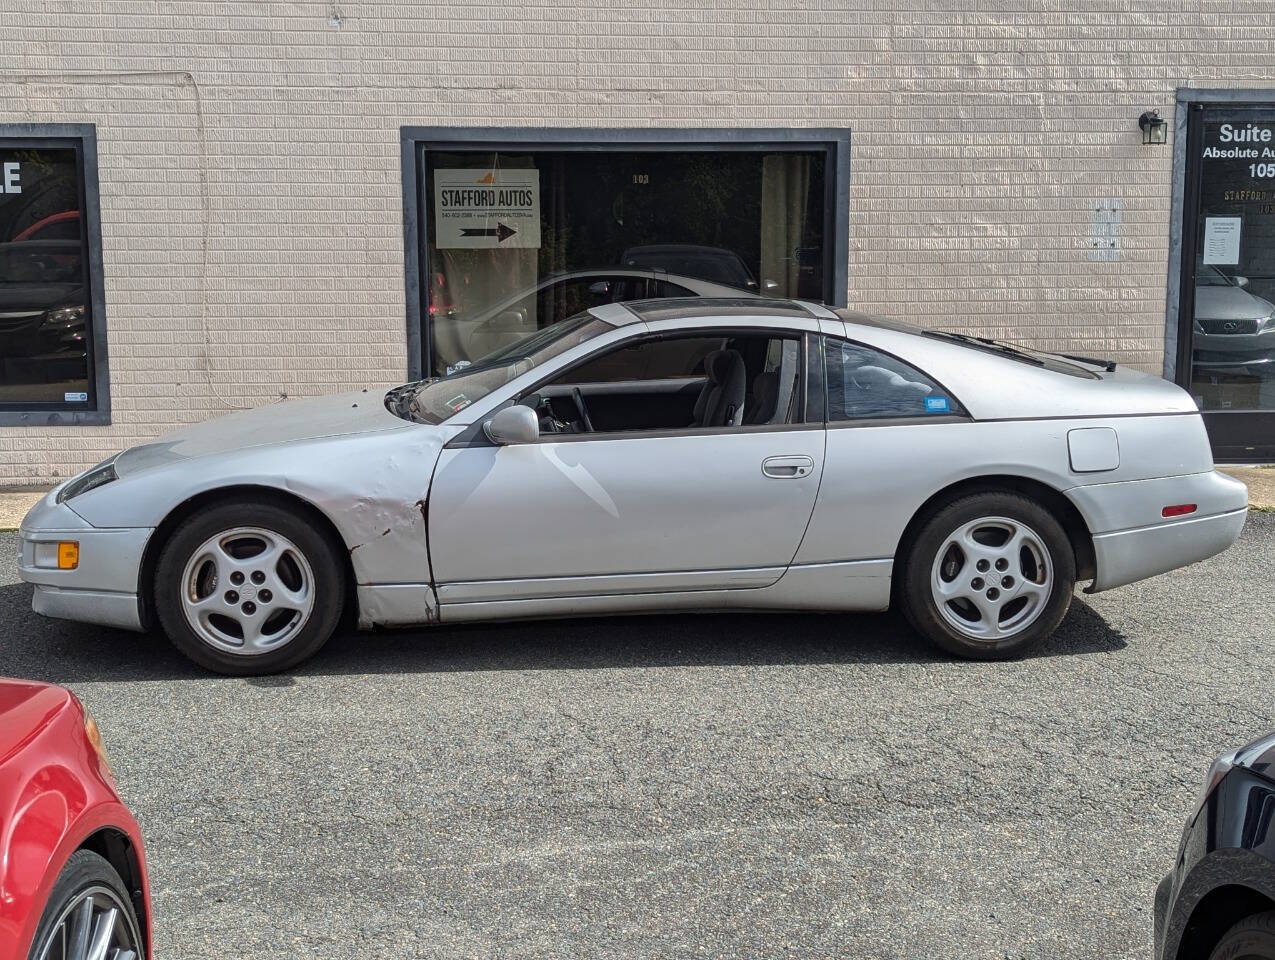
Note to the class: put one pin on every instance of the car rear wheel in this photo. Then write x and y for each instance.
(248, 588)
(89, 915)
(1253, 938)
(989, 576)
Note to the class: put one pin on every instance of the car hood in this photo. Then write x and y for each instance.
(38, 297)
(1216, 302)
(288, 421)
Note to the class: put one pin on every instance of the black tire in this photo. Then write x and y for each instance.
(1253, 938)
(918, 600)
(86, 872)
(310, 539)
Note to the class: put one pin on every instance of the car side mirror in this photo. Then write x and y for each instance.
(771, 286)
(1240, 281)
(516, 424)
(600, 289)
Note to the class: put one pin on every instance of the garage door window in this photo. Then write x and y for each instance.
(47, 317)
(513, 236)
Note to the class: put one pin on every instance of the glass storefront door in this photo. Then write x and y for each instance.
(1226, 333)
(515, 238)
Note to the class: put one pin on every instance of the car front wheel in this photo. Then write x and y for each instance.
(248, 588)
(989, 576)
(1253, 938)
(89, 915)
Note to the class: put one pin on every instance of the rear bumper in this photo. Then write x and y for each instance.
(1132, 541)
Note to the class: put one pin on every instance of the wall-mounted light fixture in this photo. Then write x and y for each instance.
(1155, 129)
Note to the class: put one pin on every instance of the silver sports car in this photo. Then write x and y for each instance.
(661, 455)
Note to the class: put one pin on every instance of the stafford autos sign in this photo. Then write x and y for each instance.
(486, 209)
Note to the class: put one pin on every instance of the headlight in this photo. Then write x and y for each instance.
(95, 738)
(66, 316)
(1247, 757)
(103, 473)
(1266, 323)
(1221, 767)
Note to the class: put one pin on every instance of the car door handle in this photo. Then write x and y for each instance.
(787, 468)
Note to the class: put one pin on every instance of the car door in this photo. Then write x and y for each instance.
(671, 507)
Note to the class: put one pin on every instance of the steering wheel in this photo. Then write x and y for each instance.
(578, 397)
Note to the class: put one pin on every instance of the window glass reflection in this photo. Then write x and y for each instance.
(44, 307)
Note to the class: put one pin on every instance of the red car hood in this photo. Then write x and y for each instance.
(25, 709)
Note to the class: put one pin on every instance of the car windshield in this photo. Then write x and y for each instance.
(433, 401)
(1213, 277)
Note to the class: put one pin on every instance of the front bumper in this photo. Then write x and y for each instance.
(103, 587)
(1132, 540)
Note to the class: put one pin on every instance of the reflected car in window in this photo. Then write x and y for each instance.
(42, 311)
(715, 264)
(458, 338)
(658, 455)
(1234, 328)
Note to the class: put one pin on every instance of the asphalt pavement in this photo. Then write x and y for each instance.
(727, 786)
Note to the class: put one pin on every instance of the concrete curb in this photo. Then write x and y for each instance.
(14, 506)
(1260, 482)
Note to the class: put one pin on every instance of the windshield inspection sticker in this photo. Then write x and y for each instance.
(936, 405)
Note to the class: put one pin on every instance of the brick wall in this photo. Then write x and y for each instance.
(250, 179)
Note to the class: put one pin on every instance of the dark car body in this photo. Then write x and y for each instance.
(715, 264)
(42, 310)
(1225, 868)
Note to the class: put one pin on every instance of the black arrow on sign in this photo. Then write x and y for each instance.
(499, 231)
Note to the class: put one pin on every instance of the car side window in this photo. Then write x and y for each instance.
(866, 384)
(707, 379)
(664, 288)
(664, 359)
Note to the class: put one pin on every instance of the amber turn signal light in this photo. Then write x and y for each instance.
(95, 740)
(68, 555)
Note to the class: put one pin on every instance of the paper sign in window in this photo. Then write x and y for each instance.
(1222, 240)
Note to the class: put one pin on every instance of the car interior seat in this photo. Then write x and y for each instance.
(721, 400)
(760, 407)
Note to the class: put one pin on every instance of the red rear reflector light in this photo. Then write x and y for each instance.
(1178, 510)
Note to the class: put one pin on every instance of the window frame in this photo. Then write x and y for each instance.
(886, 421)
(415, 143)
(82, 138)
(800, 422)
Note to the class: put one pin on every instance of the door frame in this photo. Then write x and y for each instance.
(415, 142)
(1236, 436)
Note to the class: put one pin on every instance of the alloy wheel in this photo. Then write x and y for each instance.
(992, 578)
(247, 591)
(93, 926)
